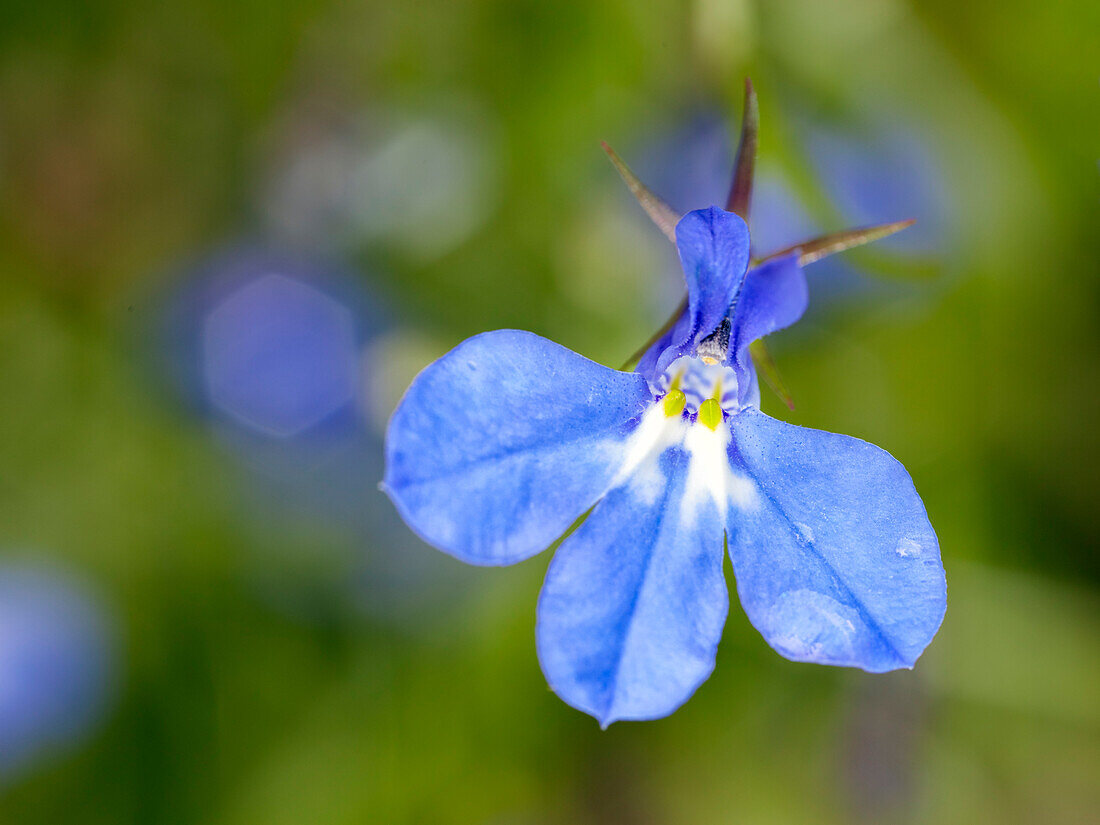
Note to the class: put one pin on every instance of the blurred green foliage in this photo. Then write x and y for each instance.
(134, 137)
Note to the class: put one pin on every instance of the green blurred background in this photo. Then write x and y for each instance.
(275, 647)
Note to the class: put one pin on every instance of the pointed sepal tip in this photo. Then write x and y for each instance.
(659, 212)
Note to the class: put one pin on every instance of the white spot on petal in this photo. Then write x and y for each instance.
(710, 474)
(641, 467)
(908, 547)
(655, 434)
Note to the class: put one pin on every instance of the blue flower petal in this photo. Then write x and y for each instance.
(774, 297)
(634, 602)
(647, 364)
(836, 562)
(501, 444)
(714, 253)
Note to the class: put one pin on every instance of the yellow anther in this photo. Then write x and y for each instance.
(674, 403)
(710, 413)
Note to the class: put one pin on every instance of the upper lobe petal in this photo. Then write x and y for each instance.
(714, 254)
(836, 563)
(774, 296)
(501, 444)
(634, 602)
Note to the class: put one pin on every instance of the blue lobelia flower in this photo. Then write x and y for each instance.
(503, 443)
(57, 664)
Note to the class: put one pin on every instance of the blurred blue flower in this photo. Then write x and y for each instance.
(270, 342)
(279, 355)
(277, 351)
(872, 167)
(54, 664)
(884, 167)
(499, 446)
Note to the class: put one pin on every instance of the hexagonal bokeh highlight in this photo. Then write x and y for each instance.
(279, 355)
